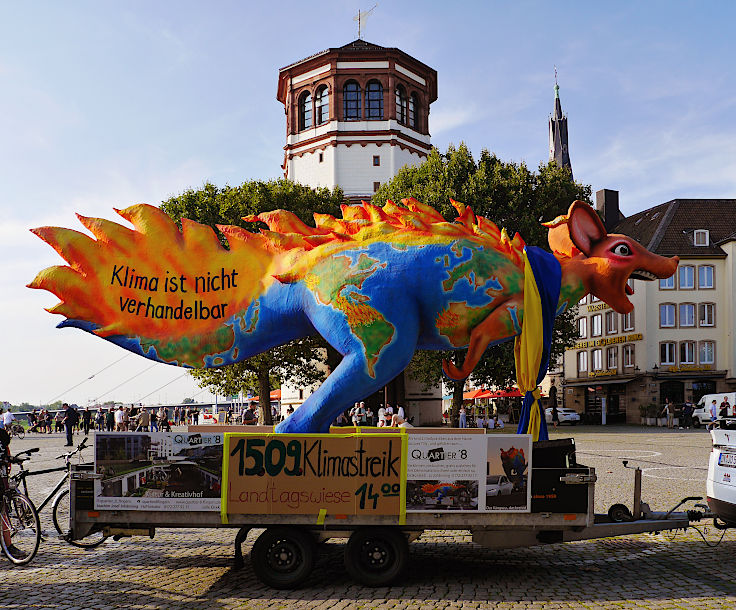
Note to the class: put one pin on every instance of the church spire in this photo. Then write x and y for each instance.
(558, 147)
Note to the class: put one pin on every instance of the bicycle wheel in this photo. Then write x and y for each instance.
(60, 514)
(21, 529)
(19, 432)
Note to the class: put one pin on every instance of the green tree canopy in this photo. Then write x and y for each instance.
(214, 205)
(515, 198)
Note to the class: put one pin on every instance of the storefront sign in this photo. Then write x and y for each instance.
(607, 341)
(606, 373)
(689, 367)
(158, 471)
(597, 307)
(336, 474)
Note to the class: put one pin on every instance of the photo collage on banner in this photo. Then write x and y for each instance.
(468, 472)
(158, 471)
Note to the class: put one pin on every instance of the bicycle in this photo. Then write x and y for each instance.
(61, 503)
(20, 527)
(17, 430)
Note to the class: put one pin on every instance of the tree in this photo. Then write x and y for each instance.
(214, 205)
(187, 401)
(512, 196)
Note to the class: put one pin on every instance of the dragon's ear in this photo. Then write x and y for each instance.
(586, 229)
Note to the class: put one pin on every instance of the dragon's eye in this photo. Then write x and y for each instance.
(622, 250)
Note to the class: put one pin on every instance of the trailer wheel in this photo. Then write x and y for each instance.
(376, 556)
(620, 513)
(283, 557)
(696, 422)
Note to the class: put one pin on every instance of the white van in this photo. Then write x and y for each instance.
(701, 415)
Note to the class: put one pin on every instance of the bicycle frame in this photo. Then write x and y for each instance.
(26, 473)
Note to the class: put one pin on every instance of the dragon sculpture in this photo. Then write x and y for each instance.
(377, 284)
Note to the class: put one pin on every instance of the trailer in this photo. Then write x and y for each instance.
(559, 488)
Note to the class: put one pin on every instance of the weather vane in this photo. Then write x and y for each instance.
(361, 17)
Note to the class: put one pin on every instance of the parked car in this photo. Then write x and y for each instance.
(498, 485)
(566, 416)
(701, 415)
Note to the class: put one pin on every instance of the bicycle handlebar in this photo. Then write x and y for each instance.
(80, 447)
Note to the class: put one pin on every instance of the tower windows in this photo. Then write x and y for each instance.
(413, 111)
(401, 105)
(351, 101)
(322, 105)
(305, 110)
(374, 101)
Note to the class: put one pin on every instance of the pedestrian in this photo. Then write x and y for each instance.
(687, 415)
(70, 419)
(110, 420)
(354, 415)
(58, 426)
(143, 421)
(669, 412)
(400, 412)
(86, 420)
(361, 414)
(555, 416)
(120, 419)
(154, 421)
(381, 417)
(480, 422)
(463, 422)
(725, 405)
(389, 414)
(713, 415)
(369, 419)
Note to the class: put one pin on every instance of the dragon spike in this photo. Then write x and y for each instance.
(199, 237)
(423, 209)
(70, 244)
(149, 220)
(460, 207)
(353, 212)
(109, 232)
(375, 213)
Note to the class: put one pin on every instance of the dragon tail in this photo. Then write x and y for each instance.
(173, 295)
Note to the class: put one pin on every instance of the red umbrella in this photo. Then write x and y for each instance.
(473, 394)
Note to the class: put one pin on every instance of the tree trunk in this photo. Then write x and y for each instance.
(264, 395)
(457, 391)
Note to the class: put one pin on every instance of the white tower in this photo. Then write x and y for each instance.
(354, 116)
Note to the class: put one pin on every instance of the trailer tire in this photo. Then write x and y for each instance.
(620, 513)
(696, 422)
(283, 557)
(376, 556)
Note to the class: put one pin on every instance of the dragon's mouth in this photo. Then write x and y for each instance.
(642, 274)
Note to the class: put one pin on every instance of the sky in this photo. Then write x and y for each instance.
(106, 104)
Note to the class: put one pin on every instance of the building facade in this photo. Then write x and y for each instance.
(678, 342)
(355, 115)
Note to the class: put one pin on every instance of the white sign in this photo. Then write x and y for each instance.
(158, 471)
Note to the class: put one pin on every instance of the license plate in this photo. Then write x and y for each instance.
(727, 459)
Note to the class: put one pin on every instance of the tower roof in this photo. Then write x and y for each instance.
(559, 151)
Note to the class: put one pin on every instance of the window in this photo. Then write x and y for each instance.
(374, 101)
(667, 353)
(630, 284)
(305, 110)
(351, 101)
(595, 326)
(376, 160)
(687, 277)
(667, 283)
(612, 358)
(666, 315)
(611, 322)
(627, 321)
(413, 111)
(322, 105)
(401, 105)
(597, 355)
(705, 277)
(687, 352)
(707, 352)
(706, 314)
(582, 327)
(687, 314)
(583, 301)
(321, 157)
(582, 362)
(594, 299)
(701, 237)
(628, 356)
(376, 186)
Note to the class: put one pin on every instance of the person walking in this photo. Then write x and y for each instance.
(713, 415)
(70, 419)
(463, 422)
(86, 420)
(725, 405)
(555, 416)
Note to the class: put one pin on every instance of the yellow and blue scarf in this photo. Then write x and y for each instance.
(542, 282)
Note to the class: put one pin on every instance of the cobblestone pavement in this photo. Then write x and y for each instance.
(193, 568)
